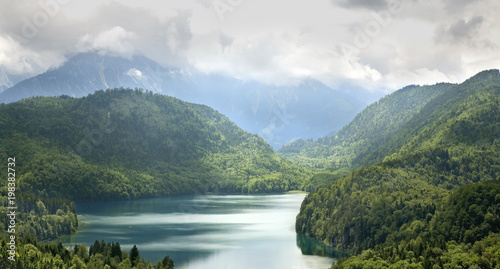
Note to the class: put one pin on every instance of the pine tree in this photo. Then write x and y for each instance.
(134, 255)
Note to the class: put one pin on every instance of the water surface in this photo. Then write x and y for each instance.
(207, 231)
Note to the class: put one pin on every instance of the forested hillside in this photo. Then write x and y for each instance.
(119, 144)
(385, 126)
(34, 255)
(409, 210)
(369, 129)
(462, 233)
(435, 109)
(336, 156)
(45, 218)
(123, 144)
(277, 113)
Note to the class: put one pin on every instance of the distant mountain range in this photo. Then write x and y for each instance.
(309, 109)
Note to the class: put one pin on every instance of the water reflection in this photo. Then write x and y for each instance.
(312, 246)
(206, 232)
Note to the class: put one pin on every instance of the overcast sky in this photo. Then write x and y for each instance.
(380, 45)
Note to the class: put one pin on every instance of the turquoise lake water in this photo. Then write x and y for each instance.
(206, 231)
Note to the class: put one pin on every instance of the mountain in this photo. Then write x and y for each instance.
(370, 129)
(124, 144)
(385, 126)
(436, 108)
(84, 74)
(281, 114)
(308, 109)
(431, 192)
(8, 80)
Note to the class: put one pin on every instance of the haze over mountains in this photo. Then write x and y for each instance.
(309, 109)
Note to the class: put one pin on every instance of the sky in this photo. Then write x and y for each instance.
(377, 45)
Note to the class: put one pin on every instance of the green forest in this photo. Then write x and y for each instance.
(126, 144)
(428, 196)
(34, 255)
(121, 144)
(369, 129)
(411, 182)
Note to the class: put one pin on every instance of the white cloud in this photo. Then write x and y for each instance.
(115, 41)
(17, 59)
(134, 73)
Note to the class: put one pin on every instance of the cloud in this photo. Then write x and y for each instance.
(13, 57)
(369, 4)
(178, 34)
(17, 59)
(115, 41)
(245, 58)
(135, 73)
(225, 41)
(454, 6)
(462, 31)
(276, 42)
(113, 28)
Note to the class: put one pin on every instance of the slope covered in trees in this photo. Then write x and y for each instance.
(463, 233)
(122, 144)
(405, 211)
(371, 128)
(33, 254)
(45, 218)
(432, 111)
(384, 127)
(277, 113)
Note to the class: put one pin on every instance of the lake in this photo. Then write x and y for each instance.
(206, 231)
